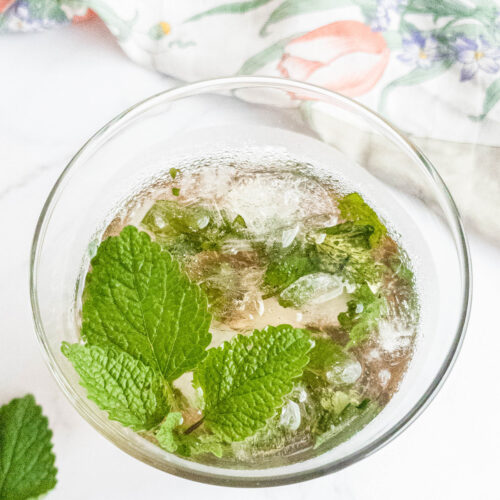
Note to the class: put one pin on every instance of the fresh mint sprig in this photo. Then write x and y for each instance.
(187, 230)
(345, 250)
(363, 314)
(244, 381)
(26, 459)
(353, 208)
(138, 300)
(173, 438)
(145, 324)
(351, 420)
(130, 391)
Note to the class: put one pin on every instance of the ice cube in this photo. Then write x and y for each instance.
(301, 394)
(384, 376)
(394, 337)
(290, 416)
(289, 235)
(271, 201)
(315, 288)
(345, 373)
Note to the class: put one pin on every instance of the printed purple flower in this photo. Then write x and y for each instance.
(476, 55)
(420, 51)
(387, 14)
(24, 15)
(22, 11)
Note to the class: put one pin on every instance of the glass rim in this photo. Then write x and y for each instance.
(374, 119)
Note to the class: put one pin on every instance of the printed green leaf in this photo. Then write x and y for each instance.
(137, 299)
(171, 438)
(457, 27)
(290, 8)
(414, 77)
(245, 380)
(128, 390)
(363, 314)
(368, 8)
(229, 8)
(26, 459)
(491, 98)
(353, 208)
(443, 8)
(271, 53)
(39, 9)
(393, 39)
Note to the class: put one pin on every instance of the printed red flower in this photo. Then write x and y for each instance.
(5, 4)
(90, 14)
(345, 56)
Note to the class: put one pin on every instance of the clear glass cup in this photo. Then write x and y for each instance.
(137, 145)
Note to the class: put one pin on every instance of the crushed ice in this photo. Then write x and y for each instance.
(290, 416)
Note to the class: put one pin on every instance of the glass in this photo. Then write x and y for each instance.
(131, 150)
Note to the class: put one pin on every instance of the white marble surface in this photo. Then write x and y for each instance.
(56, 89)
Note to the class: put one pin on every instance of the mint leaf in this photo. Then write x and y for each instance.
(131, 392)
(357, 235)
(240, 221)
(26, 459)
(165, 435)
(363, 314)
(331, 403)
(326, 354)
(286, 266)
(345, 250)
(183, 229)
(171, 438)
(167, 219)
(244, 380)
(223, 281)
(137, 299)
(400, 286)
(399, 264)
(204, 443)
(350, 421)
(177, 228)
(353, 208)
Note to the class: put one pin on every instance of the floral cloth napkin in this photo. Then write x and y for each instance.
(432, 67)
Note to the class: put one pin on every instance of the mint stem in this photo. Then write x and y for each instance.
(194, 426)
